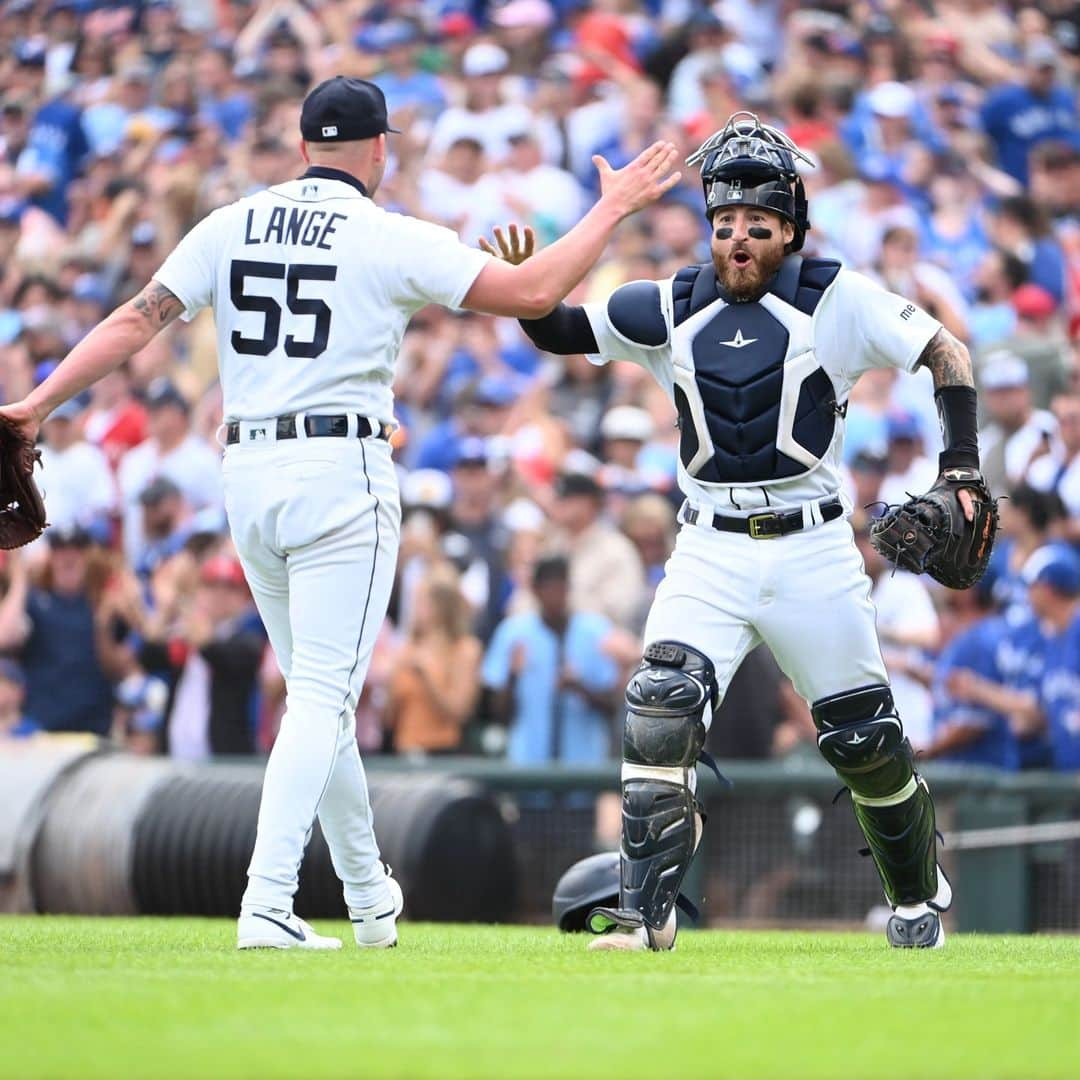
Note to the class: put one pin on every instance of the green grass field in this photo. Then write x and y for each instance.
(172, 997)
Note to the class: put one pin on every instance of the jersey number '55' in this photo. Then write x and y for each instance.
(293, 276)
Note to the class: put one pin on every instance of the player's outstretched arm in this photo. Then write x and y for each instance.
(564, 330)
(532, 288)
(114, 340)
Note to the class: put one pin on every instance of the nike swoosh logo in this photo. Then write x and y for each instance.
(384, 915)
(298, 934)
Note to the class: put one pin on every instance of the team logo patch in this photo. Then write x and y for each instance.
(329, 131)
(738, 341)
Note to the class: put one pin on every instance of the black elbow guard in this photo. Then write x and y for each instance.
(564, 331)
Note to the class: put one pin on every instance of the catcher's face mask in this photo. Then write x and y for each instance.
(748, 163)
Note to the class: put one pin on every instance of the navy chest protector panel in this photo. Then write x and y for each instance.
(739, 357)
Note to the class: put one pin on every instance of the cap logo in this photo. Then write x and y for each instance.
(330, 131)
(735, 190)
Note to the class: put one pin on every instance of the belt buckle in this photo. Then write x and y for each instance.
(764, 526)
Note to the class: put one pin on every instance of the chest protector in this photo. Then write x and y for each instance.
(755, 406)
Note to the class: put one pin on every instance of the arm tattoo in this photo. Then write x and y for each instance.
(948, 361)
(157, 305)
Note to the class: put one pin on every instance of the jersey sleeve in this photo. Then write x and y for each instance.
(429, 264)
(631, 324)
(190, 272)
(860, 325)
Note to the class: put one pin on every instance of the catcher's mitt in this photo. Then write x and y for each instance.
(22, 512)
(929, 534)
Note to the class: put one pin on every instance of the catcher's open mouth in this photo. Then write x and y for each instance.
(742, 258)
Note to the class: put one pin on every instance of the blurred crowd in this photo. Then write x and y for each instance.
(538, 491)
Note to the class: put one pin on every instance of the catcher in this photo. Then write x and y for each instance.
(758, 350)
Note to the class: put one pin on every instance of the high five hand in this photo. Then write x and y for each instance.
(515, 250)
(642, 182)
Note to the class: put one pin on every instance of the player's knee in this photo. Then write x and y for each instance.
(860, 735)
(669, 704)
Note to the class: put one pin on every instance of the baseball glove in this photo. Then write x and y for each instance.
(22, 511)
(930, 534)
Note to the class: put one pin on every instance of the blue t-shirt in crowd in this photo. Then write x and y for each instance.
(1046, 267)
(974, 649)
(1007, 587)
(439, 447)
(1020, 659)
(1016, 119)
(1061, 696)
(419, 88)
(66, 690)
(231, 114)
(960, 255)
(549, 725)
(55, 146)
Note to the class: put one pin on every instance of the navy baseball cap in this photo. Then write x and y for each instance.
(343, 109)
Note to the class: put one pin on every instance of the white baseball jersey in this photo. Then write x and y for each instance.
(312, 286)
(855, 326)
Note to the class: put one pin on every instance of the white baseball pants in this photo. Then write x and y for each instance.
(316, 523)
(806, 595)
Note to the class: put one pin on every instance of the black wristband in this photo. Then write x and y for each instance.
(958, 412)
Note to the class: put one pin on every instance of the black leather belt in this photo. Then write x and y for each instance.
(316, 427)
(767, 525)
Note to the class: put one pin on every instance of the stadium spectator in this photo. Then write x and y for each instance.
(1029, 519)
(172, 451)
(436, 673)
(1059, 470)
(1017, 433)
(1018, 116)
(554, 683)
(475, 537)
(114, 420)
(965, 731)
(1020, 660)
(992, 316)
(212, 654)
(606, 575)
(67, 687)
(899, 270)
(1018, 225)
(77, 476)
(14, 723)
(139, 713)
(1053, 577)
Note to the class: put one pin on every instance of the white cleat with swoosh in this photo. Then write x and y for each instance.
(275, 929)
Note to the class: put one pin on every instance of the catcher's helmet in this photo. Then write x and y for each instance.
(590, 882)
(748, 163)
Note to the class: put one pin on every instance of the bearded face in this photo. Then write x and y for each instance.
(747, 248)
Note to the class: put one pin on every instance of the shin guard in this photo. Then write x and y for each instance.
(860, 735)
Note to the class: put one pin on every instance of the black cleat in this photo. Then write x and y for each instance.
(923, 931)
